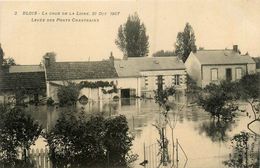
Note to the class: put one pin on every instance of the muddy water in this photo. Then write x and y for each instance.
(205, 142)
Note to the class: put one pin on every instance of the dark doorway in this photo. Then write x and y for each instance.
(125, 93)
(228, 74)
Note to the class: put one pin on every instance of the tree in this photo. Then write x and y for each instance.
(17, 131)
(218, 100)
(163, 53)
(185, 42)
(249, 90)
(68, 94)
(132, 39)
(117, 140)
(94, 141)
(7, 62)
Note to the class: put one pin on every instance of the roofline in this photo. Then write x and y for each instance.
(228, 64)
(163, 69)
(81, 61)
(83, 79)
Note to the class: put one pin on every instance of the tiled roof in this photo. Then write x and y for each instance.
(133, 66)
(222, 57)
(25, 68)
(28, 80)
(59, 71)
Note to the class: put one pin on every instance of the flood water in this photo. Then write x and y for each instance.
(205, 142)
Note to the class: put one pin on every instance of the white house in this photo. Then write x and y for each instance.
(212, 66)
(138, 76)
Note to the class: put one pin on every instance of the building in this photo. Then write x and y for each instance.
(133, 77)
(212, 66)
(257, 61)
(29, 80)
(139, 76)
(58, 73)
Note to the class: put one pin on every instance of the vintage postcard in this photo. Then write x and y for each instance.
(134, 83)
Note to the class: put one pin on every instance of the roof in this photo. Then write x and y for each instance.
(133, 66)
(26, 68)
(222, 57)
(28, 80)
(60, 71)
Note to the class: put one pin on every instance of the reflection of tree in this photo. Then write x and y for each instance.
(216, 130)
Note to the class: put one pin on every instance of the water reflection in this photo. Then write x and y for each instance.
(193, 127)
(216, 130)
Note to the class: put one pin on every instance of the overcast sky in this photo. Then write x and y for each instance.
(217, 24)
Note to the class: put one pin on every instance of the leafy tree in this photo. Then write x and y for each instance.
(68, 94)
(116, 140)
(218, 100)
(78, 140)
(163, 53)
(7, 62)
(17, 131)
(132, 39)
(185, 42)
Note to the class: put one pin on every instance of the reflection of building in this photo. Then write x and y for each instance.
(140, 75)
(212, 66)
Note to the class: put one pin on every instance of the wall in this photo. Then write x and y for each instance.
(193, 68)
(251, 68)
(149, 81)
(95, 94)
(206, 71)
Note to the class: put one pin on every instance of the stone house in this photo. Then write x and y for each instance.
(213, 66)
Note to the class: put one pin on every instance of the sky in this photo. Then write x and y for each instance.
(217, 24)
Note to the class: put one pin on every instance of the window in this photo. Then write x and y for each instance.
(146, 80)
(238, 73)
(176, 80)
(214, 74)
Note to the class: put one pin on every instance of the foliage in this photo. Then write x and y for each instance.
(250, 86)
(99, 84)
(50, 101)
(218, 99)
(163, 53)
(161, 96)
(244, 154)
(68, 94)
(17, 131)
(249, 90)
(132, 39)
(7, 62)
(185, 42)
(78, 140)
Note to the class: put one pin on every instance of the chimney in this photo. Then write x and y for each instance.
(49, 58)
(1, 56)
(235, 48)
(111, 58)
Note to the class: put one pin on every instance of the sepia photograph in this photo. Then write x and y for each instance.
(130, 84)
